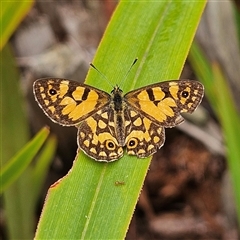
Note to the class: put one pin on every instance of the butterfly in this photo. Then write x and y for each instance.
(108, 123)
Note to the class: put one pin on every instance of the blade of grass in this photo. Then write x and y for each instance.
(12, 13)
(204, 72)
(221, 100)
(40, 170)
(17, 164)
(14, 135)
(230, 122)
(18, 214)
(237, 19)
(88, 203)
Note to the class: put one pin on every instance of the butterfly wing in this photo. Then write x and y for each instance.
(98, 139)
(143, 136)
(97, 136)
(68, 102)
(163, 102)
(103, 132)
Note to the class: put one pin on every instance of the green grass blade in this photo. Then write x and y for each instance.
(230, 121)
(89, 203)
(204, 72)
(14, 127)
(237, 20)
(12, 13)
(17, 164)
(14, 135)
(40, 169)
(220, 97)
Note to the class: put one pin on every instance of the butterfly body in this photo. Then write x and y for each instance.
(109, 122)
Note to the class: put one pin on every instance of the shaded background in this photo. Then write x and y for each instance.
(187, 193)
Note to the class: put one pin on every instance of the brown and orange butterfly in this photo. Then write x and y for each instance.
(108, 122)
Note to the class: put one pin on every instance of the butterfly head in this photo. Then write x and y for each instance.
(116, 90)
(117, 98)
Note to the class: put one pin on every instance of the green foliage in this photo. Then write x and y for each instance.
(19, 200)
(220, 97)
(13, 137)
(12, 12)
(17, 164)
(89, 203)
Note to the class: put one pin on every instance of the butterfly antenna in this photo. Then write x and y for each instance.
(91, 64)
(134, 62)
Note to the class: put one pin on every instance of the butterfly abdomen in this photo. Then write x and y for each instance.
(120, 129)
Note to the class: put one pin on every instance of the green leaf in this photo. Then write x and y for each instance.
(89, 203)
(220, 97)
(40, 170)
(17, 164)
(12, 13)
(204, 72)
(230, 121)
(14, 135)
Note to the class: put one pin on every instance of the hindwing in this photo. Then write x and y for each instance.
(143, 137)
(97, 136)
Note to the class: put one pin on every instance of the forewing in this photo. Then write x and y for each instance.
(163, 102)
(97, 136)
(68, 102)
